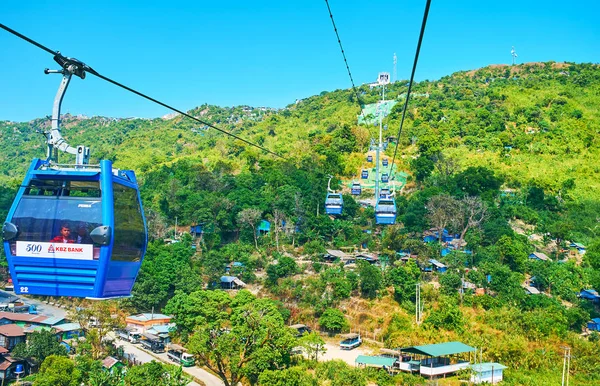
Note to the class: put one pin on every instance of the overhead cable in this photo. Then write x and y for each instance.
(344, 55)
(412, 77)
(94, 72)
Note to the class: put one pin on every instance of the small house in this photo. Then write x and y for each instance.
(529, 290)
(539, 256)
(11, 335)
(111, 364)
(487, 373)
(264, 228)
(437, 266)
(579, 247)
(368, 258)
(68, 331)
(594, 324)
(10, 367)
(162, 331)
(145, 321)
(334, 254)
(589, 294)
(435, 360)
(231, 282)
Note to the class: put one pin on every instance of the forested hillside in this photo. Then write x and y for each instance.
(506, 157)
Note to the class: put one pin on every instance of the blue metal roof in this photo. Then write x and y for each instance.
(227, 279)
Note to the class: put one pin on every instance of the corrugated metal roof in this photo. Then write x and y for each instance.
(375, 361)
(148, 317)
(439, 349)
(23, 317)
(437, 263)
(336, 253)
(539, 255)
(488, 366)
(11, 330)
(68, 327)
(227, 279)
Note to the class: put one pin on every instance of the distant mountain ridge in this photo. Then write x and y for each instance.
(515, 119)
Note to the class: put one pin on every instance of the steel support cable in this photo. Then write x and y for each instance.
(95, 73)
(344, 55)
(412, 77)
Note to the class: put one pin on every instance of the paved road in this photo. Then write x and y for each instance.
(42, 308)
(143, 356)
(334, 352)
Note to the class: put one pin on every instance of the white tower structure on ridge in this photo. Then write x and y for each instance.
(514, 55)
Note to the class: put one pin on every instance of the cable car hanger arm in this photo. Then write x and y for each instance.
(54, 138)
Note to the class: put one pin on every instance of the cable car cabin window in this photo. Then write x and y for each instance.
(48, 206)
(129, 235)
(63, 188)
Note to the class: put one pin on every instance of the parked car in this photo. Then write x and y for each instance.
(350, 341)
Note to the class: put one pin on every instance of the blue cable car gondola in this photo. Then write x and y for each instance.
(356, 189)
(385, 211)
(385, 162)
(364, 174)
(384, 192)
(74, 230)
(369, 158)
(334, 203)
(385, 178)
(78, 232)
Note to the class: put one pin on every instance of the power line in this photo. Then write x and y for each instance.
(59, 57)
(412, 77)
(344, 55)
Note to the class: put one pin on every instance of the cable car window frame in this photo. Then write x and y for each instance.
(121, 241)
(47, 225)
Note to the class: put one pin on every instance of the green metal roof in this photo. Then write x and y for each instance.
(439, 349)
(481, 367)
(375, 361)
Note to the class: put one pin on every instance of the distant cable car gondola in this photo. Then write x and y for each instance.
(385, 211)
(74, 230)
(356, 188)
(334, 202)
(385, 178)
(385, 162)
(369, 158)
(384, 192)
(364, 174)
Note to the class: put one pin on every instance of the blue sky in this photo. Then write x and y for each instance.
(266, 53)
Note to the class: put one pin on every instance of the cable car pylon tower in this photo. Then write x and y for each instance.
(383, 79)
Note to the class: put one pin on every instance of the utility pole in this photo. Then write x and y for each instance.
(566, 364)
(418, 304)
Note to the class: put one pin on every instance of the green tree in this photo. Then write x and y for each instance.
(250, 218)
(40, 345)
(447, 316)
(156, 373)
(313, 345)
(244, 342)
(294, 376)
(450, 282)
(422, 167)
(370, 279)
(58, 370)
(333, 320)
(286, 266)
